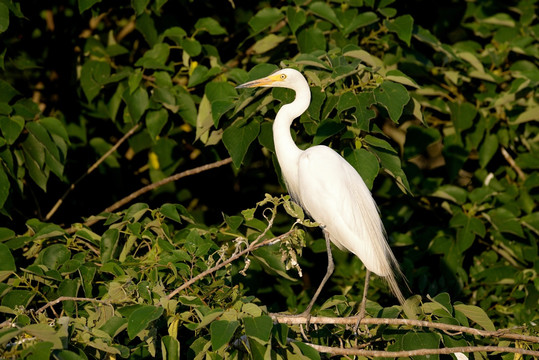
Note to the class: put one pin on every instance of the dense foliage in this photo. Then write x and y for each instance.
(434, 104)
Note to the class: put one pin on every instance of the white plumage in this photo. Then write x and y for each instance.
(328, 187)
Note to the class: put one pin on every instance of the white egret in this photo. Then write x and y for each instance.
(330, 190)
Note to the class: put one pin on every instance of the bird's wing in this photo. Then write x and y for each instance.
(335, 195)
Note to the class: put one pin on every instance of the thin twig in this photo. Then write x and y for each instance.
(69, 298)
(408, 353)
(92, 220)
(91, 169)
(255, 244)
(513, 164)
(171, 178)
(352, 320)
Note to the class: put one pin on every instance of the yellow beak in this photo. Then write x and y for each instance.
(263, 82)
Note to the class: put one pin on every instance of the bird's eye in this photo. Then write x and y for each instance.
(283, 76)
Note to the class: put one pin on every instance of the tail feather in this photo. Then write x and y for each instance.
(392, 277)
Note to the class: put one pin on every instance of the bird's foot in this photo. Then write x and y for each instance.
(360, 317)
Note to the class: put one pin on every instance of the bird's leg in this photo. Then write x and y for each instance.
(361, 314)
(329, 271)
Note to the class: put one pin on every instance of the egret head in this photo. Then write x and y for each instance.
(287, 78)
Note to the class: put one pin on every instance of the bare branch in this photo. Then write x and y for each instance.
(405, 353)
(90, 170)
(255, 244)
(167, 180)
(352, 320)
(513, 164)
(92, 220)
(69, 298)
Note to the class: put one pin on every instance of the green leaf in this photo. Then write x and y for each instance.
(359, 20)
(402, 26)
(4, 18)
(365, 163)
(35, 150)
(7, 92)
(101, 147)
(364, 112)
(452, 193)
(139, 6)
(325, 11)
(191, 46)
(171, 212)
(187, 110)
(488, 149)
(237, 139)
(114, 325)
(222, 96)
(54, 256)
(86, 4)
(267, 43)
(266, 17)
(7, 262)
(505, 221)
(477, 315)
(155, 121)
(259, 327)
(175, 33)
(141, 318)
(202, 74)
(146, 26)
(44, 332)
(393, 97)
(170, 347)
(42, 135)
(391, 163)
(67, 355)
(462, 115)
(55, 127)
(109, 244)
(415, 341)
(7, 334)
(137, 102)
(4, 187)
(41, 350)
(17, 298)
(326, 129)
(35, 171)
(93, 76)
(311, 39)
(155, 58)
(210, 25)
(296, 18)
(272, 262)
(221, 332)
(69, 288)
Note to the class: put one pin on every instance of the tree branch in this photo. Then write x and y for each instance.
(255, 244)
(408, 353)
(513, 164)
(352, 320)
(92, 220)
(90, 170)
(167, 180)
(69, 298)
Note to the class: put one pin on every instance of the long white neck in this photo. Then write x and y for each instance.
(287, 151)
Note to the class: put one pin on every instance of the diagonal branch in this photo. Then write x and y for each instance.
(92, 220)
(255, 244)
(70, 298)
(90, 170)
(167, 180)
